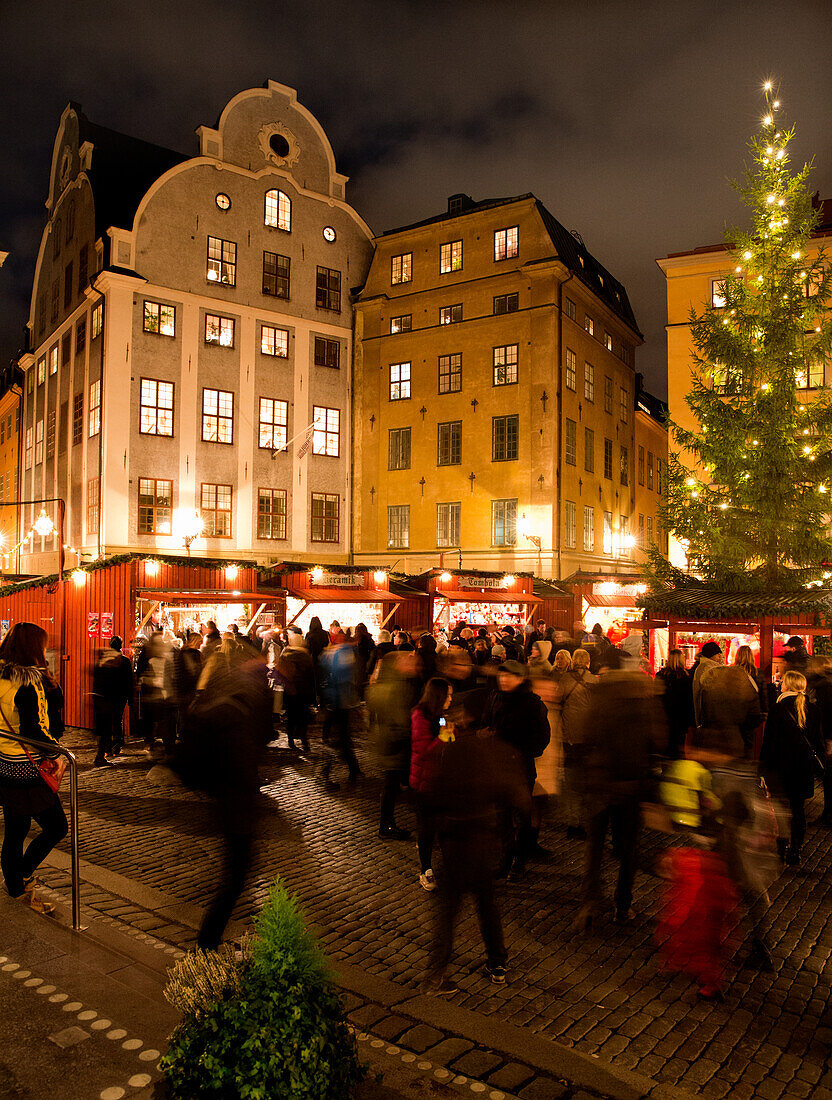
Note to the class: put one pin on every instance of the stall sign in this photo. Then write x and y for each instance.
(612, 588)
(106, 624)
(339, 580)
(92, 624)
(482, 582)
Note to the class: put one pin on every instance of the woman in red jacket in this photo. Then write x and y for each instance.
(427, 721)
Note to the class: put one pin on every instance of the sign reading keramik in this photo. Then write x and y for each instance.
(338, 580)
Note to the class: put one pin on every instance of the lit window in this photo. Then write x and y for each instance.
(326, 512)
(271, 513)
(718, 293)
(449, 315)
(506, 303)
(589, 450)
(217, 416)
(448, 524)
(222, 261)
(160, 319)
(53, 359)
(401, 268)
(569, 524)
(399, 381)
(589, 382)
(274, 341)
(450, 373)
(503, 522)
(278, 210)
(815, 378)
(398, 526)
(276, 274)
(95, 408)
(215, 508)
(570, 443)
(92, 506)
(274, 423)
(450, 257)
(449, 443)
(401, 324)
(505, 435)
(326, 431)
(327, 353)
(623, 536)
(569, 308)
(571, 365)
(97, 321)
(155, 506)
(506, 245)
(589, 324)
(607, 532)
(30, 435)
(398, 449)
(219, 330)
(608, 341)
(156, 407)
(589, 527)
(505, 365)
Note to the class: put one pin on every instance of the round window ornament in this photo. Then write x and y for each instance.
(329, 233)
(223, 201)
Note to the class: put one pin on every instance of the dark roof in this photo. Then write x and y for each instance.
(122, 170)
(570, 248)
(653, 406)
(704, 604)
(548, 590)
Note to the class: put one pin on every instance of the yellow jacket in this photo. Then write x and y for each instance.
(14, 762)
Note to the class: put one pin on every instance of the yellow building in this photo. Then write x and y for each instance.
(494, 397)
(10, 396)
(651, 466)
(694, 279)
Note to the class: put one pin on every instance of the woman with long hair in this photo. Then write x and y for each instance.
(427, 721)
(792, 756)
(30, 705)
(678, 702)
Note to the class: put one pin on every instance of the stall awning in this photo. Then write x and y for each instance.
(487, 597)
(203, 595)
(609, 601)
(319, 594)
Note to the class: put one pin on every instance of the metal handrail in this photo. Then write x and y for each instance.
(52, 748)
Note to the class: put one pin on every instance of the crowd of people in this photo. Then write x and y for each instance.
(481, 733)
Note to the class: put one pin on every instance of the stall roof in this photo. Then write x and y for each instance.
(438, 570)
(406, 591)
(583, 576)
(547, 590)
(706, 604)
(209, 595)
(474, 595)
(320, 594)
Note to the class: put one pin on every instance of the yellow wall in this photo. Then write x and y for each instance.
(9, 459)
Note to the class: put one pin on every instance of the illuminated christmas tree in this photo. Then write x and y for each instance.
(748, 493)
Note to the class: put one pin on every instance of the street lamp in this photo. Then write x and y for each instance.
(189, 525)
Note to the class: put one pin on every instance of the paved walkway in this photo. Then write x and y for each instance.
(602, 995)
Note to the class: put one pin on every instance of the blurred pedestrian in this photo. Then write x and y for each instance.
(819, 689)
(112, 689)
(30, 705)
(339, 695)
(363, 649)
(317, 640)
(185, 671)
(391, 698)
(710, 657)
(295, 673)
(572, 693)
(427, 721)
(729, 701)
(539, 665)
(678, 702)
(155, 698)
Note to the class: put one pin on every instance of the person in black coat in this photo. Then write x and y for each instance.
(112, 690)
(519, 718)
(819, 681)
(678, 702)
(792, 755)
(317, 640)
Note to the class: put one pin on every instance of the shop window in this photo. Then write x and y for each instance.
(326, 512)
(450, 257)
(589, 382)
(450, 315)
(272, 511)
(449, 443)
(328, 289)
(401, 268)
(589, 528)
(155, 506)
(160, 319)
(503, 522)
(401, 324)
(398, 526)
(95, 408)
(274, 424)
(327, 353)
(278, 212)
(571, 364)
(625, 466)
(77, 419)
(326, 439)
(274, 341)
(217, 416)
(222, 261)
(399, 381)
(219, 330)
(504, 365)
(505, 435)
(398, 449)
(92, 506)
(215, 507)
(506, 243)
(607, 532)
(570, 443)
(506, 303)
(589, 450)
(448, 524)
(450, 373)
(277, 271)
(569, 308)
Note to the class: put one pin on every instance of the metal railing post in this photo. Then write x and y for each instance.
(52, 748)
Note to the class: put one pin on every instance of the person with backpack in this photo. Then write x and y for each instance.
(112, 690)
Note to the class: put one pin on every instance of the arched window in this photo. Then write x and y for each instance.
(279, 210)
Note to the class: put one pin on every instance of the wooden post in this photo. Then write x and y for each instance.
(766, 645)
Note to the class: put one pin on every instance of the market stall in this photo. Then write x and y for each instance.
(612, 600)
(337, 593)
(479, 598)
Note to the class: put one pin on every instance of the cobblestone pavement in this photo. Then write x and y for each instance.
(603, 994)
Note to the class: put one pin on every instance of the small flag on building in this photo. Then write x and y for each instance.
(307, 443)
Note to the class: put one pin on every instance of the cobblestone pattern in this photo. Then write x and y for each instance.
(603, 993)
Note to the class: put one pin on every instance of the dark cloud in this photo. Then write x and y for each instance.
(625, 118)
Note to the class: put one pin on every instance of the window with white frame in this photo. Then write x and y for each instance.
(219, 330)
(222, 261)
(503, 522)
(505, 365)
(271, 513)
(570, 443)
(401, 324)
(215, 509)
(278, 212)
(326, 433)
(607, 532)
(399, 381)
(506, 243)
(326, 516)
(29, 449)
(571, 364)
(450, 373)
(217, 416)
(274, 341)
(53, 359)
(159, 318)
(448, 524)
(450, 257)
(569, 524)
(401, 268)
(39, 442)
(589, 527)
(273, 424)
(95, 408)
(450, 315)
(398, 449)
(92, 506)
(589, 382)
(569, 308)
(155, 407)
(398, 526)
(97, 321)
(155, 506)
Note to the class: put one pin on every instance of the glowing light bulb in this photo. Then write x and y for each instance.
(807, 450)
(776, 104)
(780, 154)
(317, 573)
(781, 202)
(445, 578)
(770, 198)
(746, 255)
(795, 255)
(765, 386)
(759, 278)
(379, 576)
(694, 495)
(723, 506)
(767, 121)
(738, 270)
(690, 481)
(767, 86)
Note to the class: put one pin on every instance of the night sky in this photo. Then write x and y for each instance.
(626, 119)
